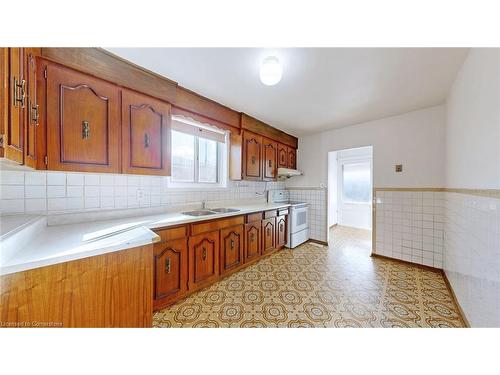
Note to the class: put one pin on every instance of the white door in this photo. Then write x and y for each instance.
(355, 193)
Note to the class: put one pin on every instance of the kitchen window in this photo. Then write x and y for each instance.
(356, 183)
(199, 155)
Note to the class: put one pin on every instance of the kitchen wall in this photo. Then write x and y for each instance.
(414, 139)
(58, 192)
(472, 225)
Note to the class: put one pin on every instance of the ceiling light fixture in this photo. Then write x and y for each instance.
(271, 71)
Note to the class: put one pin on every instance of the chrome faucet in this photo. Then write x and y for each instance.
(203, 204)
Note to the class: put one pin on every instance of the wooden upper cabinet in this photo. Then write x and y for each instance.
(14, 132)
(268, 234)
(292, 158)
(145, 135)
(252, 156)
(83, 122)
(203, 259)
(170, 271)
(282, 156)
(231, 251)
(269, 160)
(281, 231)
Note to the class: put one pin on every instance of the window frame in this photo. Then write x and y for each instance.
(221, 172)
(345, 161)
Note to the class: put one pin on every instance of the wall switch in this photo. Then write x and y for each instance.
(399, 167)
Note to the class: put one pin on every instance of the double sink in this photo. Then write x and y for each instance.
(212, 211)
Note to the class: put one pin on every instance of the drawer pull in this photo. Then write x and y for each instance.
(167, 265)
(85, 129)
(19, 92)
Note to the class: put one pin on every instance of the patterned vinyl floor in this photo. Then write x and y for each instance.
(315, 286)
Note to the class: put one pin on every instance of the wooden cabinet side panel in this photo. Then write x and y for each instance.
(110, 290)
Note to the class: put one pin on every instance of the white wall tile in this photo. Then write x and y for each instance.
(36, 205)
(35, 178)
(35, 191)
(11, 206)
(75, 179)
(74, 191)
(56, 191)
(11, 191)
(11, 178)
(56, 178)
(92, 179)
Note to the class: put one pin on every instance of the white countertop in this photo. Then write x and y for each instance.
(62, 243)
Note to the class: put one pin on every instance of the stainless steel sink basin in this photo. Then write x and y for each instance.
(224, 210)
(199, 213)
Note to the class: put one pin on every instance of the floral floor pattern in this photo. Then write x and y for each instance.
(318, 286)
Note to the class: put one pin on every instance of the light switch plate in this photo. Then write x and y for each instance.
(399, 167)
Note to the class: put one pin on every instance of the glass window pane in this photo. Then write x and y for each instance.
(356, 179)
(207, 155)
(182, 157)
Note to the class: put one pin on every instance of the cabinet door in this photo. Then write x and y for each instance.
(83, 122)
(145, 134)
(14, 134)
(170, 272)
(30, 144)
(282, 156)
(252, 156)
(252, 240)
(270, 154)
(281, 231)
(203, 259)
(231, 251)
(268, 235)
(292, 158)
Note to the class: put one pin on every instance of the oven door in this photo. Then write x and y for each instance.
(299, 220)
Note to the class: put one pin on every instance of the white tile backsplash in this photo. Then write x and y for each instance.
(57, 192)
(317, 210)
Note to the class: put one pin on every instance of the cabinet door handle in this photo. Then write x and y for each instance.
(232, 244)
(281, 227)
(270, 163)
(19, 92)
(268, 231)
(85, 129)
(34, 113)
(252, 237)
(204, 254)
(253, 159)
(167, 265)
(147, 140)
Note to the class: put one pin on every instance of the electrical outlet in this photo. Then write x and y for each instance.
(140, 194)
(399, 167)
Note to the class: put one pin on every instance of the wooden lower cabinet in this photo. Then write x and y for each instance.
(252, 241)
(281, 231)
(203, 259)
(268, 235)
(170, 271)
(231, 250)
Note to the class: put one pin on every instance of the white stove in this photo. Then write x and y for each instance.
(298, 218)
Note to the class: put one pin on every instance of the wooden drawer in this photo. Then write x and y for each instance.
(270, 214)
(209, 226)
(283, 211)
(172, 233)
(253, 217)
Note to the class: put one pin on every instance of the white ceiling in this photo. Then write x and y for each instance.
(322, 88)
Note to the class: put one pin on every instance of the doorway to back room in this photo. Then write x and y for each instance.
(350, 181)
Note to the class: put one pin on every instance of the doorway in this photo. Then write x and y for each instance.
(350, 182)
